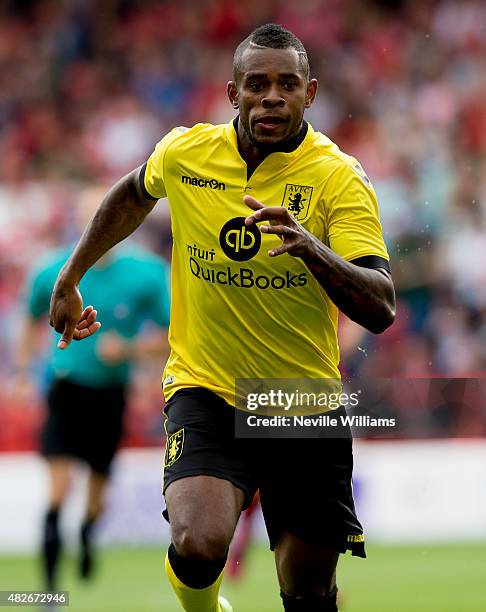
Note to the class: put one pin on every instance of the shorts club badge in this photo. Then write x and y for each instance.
(173, 449)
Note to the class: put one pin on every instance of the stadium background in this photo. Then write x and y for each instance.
(87, 88)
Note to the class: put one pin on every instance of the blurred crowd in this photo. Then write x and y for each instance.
(88, 87)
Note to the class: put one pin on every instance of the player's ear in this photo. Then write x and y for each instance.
(232, 91)
(310, 93)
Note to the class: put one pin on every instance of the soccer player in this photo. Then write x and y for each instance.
(275, 229)
(86, 395)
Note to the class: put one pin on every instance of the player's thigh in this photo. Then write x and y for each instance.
(305, 568)
(206, 478)
(203, 512)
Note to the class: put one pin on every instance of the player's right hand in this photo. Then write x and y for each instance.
(68, 317)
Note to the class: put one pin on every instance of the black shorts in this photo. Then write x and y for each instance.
(305, 484)
(83, 422)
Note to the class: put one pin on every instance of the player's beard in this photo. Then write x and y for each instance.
(272, 146)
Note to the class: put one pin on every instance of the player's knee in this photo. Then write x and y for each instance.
(209, 546)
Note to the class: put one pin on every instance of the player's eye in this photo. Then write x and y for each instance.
(290, 85)
(255, 86)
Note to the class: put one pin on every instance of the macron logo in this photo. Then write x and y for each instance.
(200, 182)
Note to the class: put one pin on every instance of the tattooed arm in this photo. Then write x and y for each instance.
(364, 295)
(120, 213)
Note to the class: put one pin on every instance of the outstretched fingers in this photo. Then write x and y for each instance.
(87, 318)
(86, 312)
(80, 334)
(252, 202)
(283, 248)
(86, 326)
(281, 230)
(273, 214)
(281, 223)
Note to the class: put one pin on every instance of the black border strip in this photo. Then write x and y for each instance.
(371, 261)
(141, 177)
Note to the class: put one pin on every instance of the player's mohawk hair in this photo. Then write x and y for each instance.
(271, 36)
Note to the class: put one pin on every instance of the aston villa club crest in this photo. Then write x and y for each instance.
(173, 448)
(297, 199)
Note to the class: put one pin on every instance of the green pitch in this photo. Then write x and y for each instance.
(398, 579)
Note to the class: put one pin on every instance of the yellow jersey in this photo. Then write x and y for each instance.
(237, 313)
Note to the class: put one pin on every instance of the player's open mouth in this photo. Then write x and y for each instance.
(270, 122)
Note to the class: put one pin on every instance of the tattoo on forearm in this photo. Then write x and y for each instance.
(120, 213)
(364, 295)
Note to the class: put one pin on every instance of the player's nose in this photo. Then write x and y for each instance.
(273, 97)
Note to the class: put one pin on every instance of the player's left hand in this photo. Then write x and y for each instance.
(296, 240)
(87, 324)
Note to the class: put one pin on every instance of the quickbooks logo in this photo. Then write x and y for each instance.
(195, 181)
(245, 278)
(238, 241)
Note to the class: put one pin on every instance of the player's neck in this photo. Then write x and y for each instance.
(253, 155)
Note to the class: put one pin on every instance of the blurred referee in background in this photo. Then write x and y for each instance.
(87, 390)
